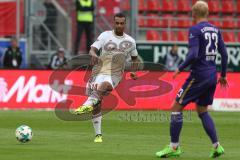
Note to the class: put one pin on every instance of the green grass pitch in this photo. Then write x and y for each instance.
(126, 136)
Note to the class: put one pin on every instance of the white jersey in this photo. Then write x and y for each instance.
(114, 50)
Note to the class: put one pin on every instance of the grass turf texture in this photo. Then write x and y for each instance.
(126, 137)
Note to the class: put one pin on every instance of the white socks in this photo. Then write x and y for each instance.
(97, 120)
(215, 145)
(174, 145)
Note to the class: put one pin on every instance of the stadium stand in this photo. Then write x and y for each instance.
(153, 20)
(183, 21)
(182, 35)
(238, 22)
(238, 6)
(8, 18)
(152, 5)
(168, 36)
(228, 6)
(152, 35)
(168, 6)
(168, 21)
(175, 16)
(172, 18)
(182, 6)
(214, 6)
(238, 36)
(215, 20)
(141, 5)
(229, 36)
(228, 22)
(141, 21)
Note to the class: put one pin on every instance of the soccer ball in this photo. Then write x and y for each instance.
(24, 134)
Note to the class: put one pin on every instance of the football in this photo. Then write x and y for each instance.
(24, 134)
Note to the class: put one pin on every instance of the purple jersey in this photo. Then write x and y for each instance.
(205, 41)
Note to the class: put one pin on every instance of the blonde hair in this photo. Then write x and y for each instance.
(200, 9)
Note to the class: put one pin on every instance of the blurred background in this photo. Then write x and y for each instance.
(44, 26)
(44, 34)
(39, 36)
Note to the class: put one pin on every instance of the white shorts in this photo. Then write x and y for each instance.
(99, 79)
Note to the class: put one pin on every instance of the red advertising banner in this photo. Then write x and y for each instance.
(30, 89)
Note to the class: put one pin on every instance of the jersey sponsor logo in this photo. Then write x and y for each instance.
(110, 46)
(123, 47)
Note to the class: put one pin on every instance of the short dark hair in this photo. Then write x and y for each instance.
(120, 15)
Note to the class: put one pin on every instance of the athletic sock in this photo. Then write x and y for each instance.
(209, 127)
(174, 145)
(215, 145)
(175, 128)
(97, 121)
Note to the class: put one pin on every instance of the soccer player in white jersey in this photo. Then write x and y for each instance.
(115, 47)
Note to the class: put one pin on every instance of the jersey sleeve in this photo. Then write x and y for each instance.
(134, 52)
(224, 56)
(100, 41)
(193, 44)
(193, 39)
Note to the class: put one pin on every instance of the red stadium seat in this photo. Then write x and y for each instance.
(228, 6)
(152, 35)
(168, 36)
(194, 1)
(183, 6)
(168, 21)
(238, 36)
(141, 5)
(214, 6)
(153, 20)
(215, 20)
(184, 21)
(182, 35)
(142, 22)
(164, 36)
(228, 22)
(153, 5)
(168, 6)
(238, 6)
(229, 36)
(238, 21)
(125, 5)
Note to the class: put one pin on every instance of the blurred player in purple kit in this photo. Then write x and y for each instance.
(205, 41)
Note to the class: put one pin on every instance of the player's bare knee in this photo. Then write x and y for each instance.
(105, 88)
(176, 107)
(201, 109)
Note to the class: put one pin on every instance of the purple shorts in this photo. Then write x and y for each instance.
(198, 90)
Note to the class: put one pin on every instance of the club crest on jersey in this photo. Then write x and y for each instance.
(191, 36)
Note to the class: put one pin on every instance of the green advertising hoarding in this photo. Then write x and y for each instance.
(156, 51)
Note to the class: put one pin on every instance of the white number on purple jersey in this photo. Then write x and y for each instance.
(212, 38)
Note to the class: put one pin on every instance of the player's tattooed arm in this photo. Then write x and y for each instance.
(94, 57)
